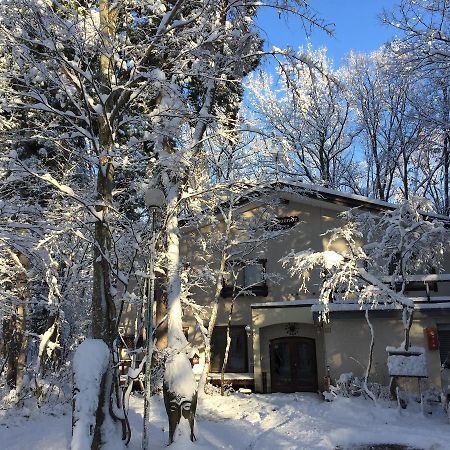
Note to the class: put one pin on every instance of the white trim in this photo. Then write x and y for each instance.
(306, 302)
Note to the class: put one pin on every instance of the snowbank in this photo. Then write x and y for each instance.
(264, 422)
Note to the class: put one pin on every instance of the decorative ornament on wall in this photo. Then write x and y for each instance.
(292, 329)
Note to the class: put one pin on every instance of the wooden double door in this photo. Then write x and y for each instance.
(293, 365)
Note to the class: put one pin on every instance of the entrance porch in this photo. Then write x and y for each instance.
(288, 348)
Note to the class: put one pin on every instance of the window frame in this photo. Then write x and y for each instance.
(259, 290)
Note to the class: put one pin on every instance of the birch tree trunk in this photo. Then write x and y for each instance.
(370, 360)
(227, 348)
(211, 325)
(180, 390)
(216, 303)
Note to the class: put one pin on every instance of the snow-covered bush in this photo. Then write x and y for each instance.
(347, 385)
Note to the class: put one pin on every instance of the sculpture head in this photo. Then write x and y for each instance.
(180, 407)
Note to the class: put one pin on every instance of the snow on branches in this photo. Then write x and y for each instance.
(369, 258)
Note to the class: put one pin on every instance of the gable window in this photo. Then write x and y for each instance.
(245, 278)
(238, 356)
(282, 223)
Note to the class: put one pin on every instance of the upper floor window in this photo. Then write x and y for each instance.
(245, 278)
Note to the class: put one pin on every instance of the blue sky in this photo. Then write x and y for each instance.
(356, 27)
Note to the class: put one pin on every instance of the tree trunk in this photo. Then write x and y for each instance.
(225, 361)
(407, 322)
(103, 307)
(216, 302)
(369, 362)
(227, 349)
(180, 391)
(21, 332)
(211, 325)
(16, 349)
(161, 312)
(446, 157)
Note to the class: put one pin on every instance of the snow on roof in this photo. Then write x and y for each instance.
(346, 198)
(320, 193)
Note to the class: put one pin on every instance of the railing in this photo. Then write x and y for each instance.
(428, 283)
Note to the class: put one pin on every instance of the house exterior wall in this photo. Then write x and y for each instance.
(316, 218)
(347, 339)
(343, 344)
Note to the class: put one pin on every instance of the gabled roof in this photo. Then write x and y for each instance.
(344, 198)
(287, 189)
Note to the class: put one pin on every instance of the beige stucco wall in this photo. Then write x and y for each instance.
(316, 218)
(343, 344)
(347, 339)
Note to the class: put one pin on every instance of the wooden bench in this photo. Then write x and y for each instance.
(244, 380)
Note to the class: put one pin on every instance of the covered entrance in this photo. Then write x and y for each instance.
(293, 365)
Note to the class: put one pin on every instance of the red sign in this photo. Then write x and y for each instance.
(432, 338)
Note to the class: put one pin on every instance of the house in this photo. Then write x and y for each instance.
(278, 343)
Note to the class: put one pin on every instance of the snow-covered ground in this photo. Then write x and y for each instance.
(244, 422)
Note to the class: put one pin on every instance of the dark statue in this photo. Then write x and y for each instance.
(177, 407)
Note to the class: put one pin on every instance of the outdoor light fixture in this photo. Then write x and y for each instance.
(154, 198)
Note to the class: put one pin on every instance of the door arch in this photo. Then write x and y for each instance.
(293, 365)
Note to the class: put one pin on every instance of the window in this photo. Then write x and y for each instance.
(444, 341)
(237, 358)
(419, 286)
(282, 223)
(250, 279)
